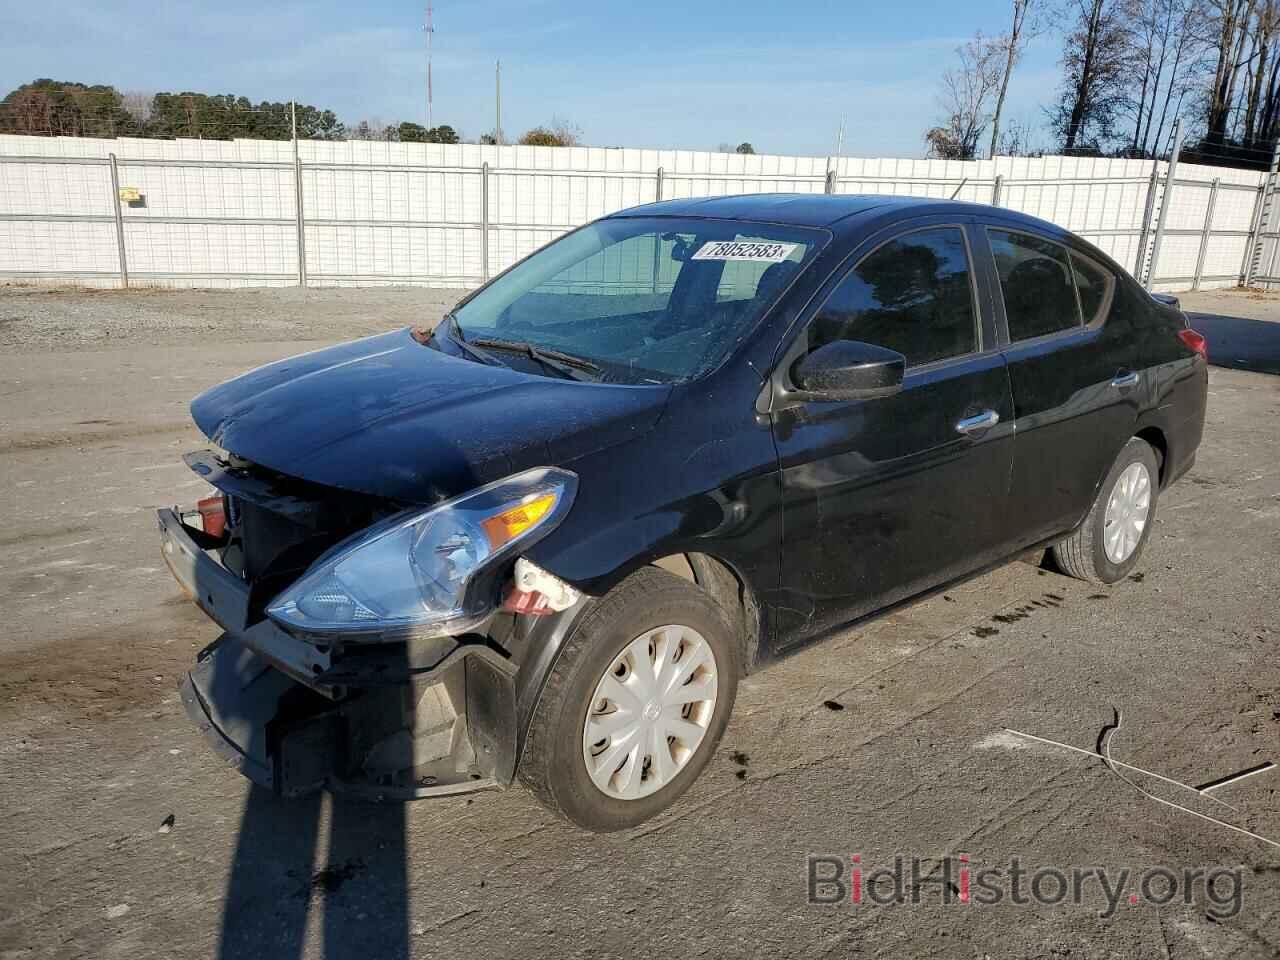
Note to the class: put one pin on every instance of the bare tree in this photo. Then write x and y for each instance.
(372, 129)
(1187, 71)
(1013, 43)
(1262, 57)
(1265, 125)
(1097, 61)
(965, 99)
(30, 111)
(1018, 139)
(1230, 21)
(561, 133)
(1151, 23)
(1168, 54)
(138, 104)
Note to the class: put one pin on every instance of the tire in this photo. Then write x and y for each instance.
(1084, 554)
(555, 762)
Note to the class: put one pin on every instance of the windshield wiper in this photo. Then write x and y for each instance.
(577, 368)
(454, 333)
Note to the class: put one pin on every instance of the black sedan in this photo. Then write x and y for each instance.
(545, 538)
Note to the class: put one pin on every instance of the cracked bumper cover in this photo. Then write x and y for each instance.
(403, 721)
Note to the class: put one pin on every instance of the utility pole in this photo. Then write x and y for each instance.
(497, 76)
(430, 28)
(1166, 201)
(299, 218)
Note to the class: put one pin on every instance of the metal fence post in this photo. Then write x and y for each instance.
(657, 237)
(829, 181)
(1271, 263)
(1139, 262)
(1255, 225)
(1204, 234)
(115, 205)
(1261, 217)
(484, 220)
(1166, 201)
(299, 217)
(996, 188)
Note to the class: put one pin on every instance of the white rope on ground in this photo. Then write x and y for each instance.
(1118, 763)
(1112, 765)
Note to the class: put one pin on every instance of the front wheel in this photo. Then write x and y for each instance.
(635, 705)
(1111, 540)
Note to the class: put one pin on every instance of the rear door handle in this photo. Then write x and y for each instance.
(978, 422)
(1129, 379)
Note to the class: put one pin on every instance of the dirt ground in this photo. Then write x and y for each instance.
(121, 834)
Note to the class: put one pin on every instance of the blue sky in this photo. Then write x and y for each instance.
(655, 74)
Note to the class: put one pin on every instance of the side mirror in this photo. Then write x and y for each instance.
(850, 370)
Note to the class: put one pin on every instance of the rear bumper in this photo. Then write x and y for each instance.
(418, 719)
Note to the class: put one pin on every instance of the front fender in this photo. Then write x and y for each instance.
(601, 542)
(538, 641)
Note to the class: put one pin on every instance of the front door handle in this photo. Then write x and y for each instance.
(978, 422)
(1129, 379)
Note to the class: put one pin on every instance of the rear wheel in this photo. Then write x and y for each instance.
(1110, 541)
(635, 705)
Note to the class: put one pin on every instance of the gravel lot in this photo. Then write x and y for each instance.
(122, 836)
(37, 319)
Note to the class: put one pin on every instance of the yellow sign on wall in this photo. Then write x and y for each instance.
(130, 194)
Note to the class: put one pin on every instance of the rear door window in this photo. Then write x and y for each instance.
(1037, 282)
(914, 295)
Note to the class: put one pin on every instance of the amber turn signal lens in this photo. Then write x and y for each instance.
(510, 523)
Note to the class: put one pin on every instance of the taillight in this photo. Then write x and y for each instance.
(212, 515)
(1195, 340)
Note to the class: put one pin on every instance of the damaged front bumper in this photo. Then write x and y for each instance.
(398, 721)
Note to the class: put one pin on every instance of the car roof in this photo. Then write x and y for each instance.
(819, 209)
(797, 209)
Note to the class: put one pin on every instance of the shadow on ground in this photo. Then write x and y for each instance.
(1239, 343)
(275, 882)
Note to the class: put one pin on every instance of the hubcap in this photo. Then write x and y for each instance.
(650, 712)
(1126, 515)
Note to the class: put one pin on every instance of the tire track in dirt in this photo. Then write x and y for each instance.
(105, 673)
(46, 439)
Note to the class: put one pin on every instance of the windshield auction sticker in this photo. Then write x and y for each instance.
(745, 250)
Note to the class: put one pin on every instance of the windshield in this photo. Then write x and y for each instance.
(646, 300)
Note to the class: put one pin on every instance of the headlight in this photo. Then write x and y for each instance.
(410, 574)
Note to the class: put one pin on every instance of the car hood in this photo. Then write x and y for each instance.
(391, 417)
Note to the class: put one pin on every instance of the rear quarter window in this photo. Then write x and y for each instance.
(1037, 282)
(1094, 284)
